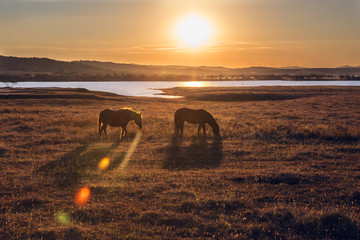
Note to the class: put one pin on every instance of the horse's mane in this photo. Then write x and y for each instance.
(130, 109)
(127, 108)
(211, 118)
(212, 122)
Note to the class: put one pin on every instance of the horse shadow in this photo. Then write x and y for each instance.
(198, 154)
(72, 167)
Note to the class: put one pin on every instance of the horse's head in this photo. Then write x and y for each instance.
(138, 120)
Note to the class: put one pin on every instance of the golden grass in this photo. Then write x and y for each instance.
(286, 167)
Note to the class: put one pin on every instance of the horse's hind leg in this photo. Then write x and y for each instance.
(104, 127)
(100, 130)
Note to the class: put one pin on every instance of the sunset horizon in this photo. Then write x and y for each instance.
(232, 34)
(177, 65)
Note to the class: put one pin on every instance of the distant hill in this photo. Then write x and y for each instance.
(16, 65)
(42, 65)
(154, 69)
(204, 70)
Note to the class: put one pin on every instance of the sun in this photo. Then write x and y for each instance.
(193, 30)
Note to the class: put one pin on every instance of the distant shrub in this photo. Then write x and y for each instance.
(278, 131)
(330, 226)
(150, 217)
(223, 206)
(44, 234)
(3, 151)
(287, 178)
(356, 197)
(74, 233)
(93, 215)
(27, 204)
(188, 207)
(281, 217)
(280, 224)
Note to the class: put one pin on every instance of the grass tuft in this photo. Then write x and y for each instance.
(92, 215)
(28, 204)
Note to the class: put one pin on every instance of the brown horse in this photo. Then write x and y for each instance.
(119, 118)
(199, 116)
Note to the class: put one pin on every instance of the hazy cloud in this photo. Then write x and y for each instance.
(221, 46)
(73, 0)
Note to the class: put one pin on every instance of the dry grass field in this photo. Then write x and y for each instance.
(287, 166)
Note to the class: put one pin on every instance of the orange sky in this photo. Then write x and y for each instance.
(277, 33)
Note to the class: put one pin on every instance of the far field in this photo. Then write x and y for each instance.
(287, 166)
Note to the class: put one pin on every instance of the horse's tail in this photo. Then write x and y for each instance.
(99, 123)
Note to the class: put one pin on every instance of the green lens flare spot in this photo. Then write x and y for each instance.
(63, 218)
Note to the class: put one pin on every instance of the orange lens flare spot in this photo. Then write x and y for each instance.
(104, 163)
(82, 196)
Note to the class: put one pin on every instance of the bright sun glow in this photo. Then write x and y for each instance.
(194, 30)
(194, 84)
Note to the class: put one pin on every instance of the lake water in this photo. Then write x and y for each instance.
(153, 89)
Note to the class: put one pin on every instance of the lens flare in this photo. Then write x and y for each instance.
(131, 150)
(82, 196)
(63, 218)
(104, 163)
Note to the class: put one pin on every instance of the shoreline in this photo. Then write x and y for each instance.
(177, 92)
(199, 80)
(158, 89)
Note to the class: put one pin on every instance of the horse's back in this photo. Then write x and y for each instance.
(182, 113)
(104, 114)
(192, 115)
(113, 118)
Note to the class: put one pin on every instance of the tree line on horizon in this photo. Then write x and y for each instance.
(49, 77)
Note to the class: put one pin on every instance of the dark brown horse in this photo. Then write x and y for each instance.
(199, 116)
(119, 118)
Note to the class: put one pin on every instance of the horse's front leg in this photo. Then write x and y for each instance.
(176, 132)
(203, 127)
(181, 127)
(124, 132)
(121, 132)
